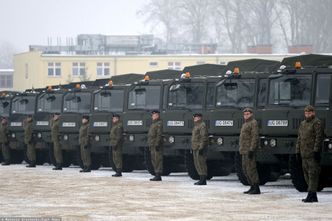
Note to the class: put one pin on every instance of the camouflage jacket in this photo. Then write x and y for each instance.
(55, 130)
(155, 134)
(3, 133)
(84, 135)
(27, 125)
(249, 136)
(310, 137)
(199, 138)
(116, 137)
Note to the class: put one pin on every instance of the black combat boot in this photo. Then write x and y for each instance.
(32, 164)
(311, 198)
(248, 191)
(83, 170)
(255, 190)
(57, 167)
(117, 174)
(157, 177)
(6, 163)
(202, 181)
(88, 169)
(199, 181)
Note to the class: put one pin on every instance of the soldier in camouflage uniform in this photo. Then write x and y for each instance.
(308, 147)
(116, 144)
(199, 145)
(4, 141)
(29, 141)
(155, 145)
(56, 143)
(249, 137)
(84, 145)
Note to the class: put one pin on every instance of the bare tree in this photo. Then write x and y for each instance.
(7, 52)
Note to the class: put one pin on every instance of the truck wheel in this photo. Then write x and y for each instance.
(95, 161)
(66, 158)
(128, 163)
(297, 176)
(17, 156)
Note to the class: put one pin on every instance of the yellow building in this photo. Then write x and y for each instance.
(37, 70)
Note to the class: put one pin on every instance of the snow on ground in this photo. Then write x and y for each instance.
(70, 195)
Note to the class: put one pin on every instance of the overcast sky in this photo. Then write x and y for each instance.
(26, 22)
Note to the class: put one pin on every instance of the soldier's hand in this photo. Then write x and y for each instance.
(157, 148)
(201, 152)
(298, 156)
(317, 156)
(251, 154)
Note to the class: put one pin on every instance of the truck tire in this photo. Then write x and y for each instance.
(295, 168)
(17, 156)
(190, 166)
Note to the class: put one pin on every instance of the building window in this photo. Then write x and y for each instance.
(78, 69)
(153, 64)
(6, 81)
(26, 71)
(174, 65)
(54, 69)
(103, 69)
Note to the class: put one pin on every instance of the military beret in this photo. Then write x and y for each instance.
(247, 109)
(197, 115)
(86, 117)
(57, 113)
(116, 115)
(155, 112)
(309, 108)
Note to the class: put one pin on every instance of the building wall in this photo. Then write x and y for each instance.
(31, 68)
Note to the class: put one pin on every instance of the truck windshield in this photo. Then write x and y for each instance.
(190, 96)
(290, 90)
(23, 105)
(77, 102)
(236, 93)
(144, 97)
(4, 107)
(109, 100)
(50, 103)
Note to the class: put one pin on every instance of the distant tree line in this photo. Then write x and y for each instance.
(236, 24)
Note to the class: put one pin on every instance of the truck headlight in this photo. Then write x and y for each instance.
(330, 146)
(97, 138)
(171, 139)
(220, 141)
(39, 135)
(13, 135)
(65, 137)
(266, 142)
(273, 142)
(131, 138)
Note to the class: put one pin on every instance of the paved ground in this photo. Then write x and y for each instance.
(41, 192)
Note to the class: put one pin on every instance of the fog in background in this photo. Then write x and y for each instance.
(234, 25)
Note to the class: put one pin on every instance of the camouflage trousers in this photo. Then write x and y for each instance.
(157, 159)
(250, 169)
(200, 162)
(86, 155)
(311, 170)
(57, 152)
(31, 152)
(5, 152)
(117, 157)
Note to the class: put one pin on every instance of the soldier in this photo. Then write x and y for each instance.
(116, 144)
(308, 148)
(84, 145)
(4, 141)
(56, 143)
(29, 141)
(248, 144)
(199, 145)
(155, 145)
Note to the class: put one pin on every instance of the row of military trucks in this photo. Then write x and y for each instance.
(277, 91)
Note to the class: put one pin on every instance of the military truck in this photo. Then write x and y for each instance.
(108, 100)
(290, 89)
(22, 105)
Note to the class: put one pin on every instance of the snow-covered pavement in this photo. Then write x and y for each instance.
(70, 195)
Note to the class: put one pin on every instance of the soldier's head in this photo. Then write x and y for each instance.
(155, 115)
(56, 116)
(197, 117)
(29, 117)
(3, 120)
(247, 113)
(115, 118)
(85, 119)
(309, 112)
